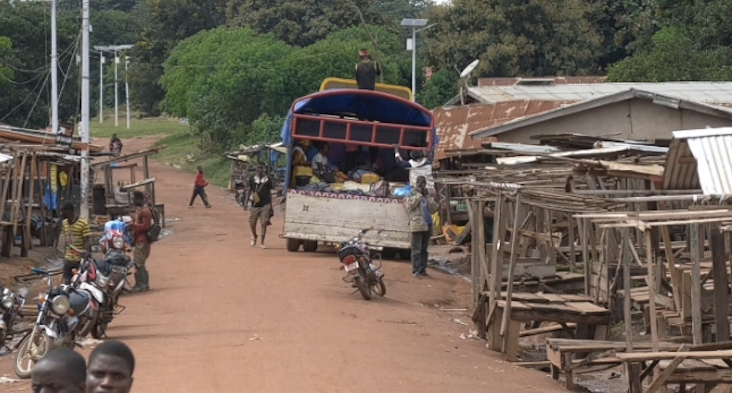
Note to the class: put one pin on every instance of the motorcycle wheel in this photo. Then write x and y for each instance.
(87, 324)
(379, 288)
(99, 330)
(33, 347)
(363, 287)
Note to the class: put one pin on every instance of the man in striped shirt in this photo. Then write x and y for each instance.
(77, 233)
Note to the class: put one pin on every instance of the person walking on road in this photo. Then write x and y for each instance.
(366, 71)
(420, 206)
(110, 369)
(77, 234)
(199, 185)
(261, 186)
(140, 227)
(61, 370)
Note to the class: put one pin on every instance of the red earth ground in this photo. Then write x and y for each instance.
(225, 317)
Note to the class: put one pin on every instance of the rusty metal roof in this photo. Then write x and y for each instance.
(455, 124)
(700, 158)
(556, 80)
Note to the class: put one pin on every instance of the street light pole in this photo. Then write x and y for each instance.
(116, 105)
(414, 63)
(54, 71)
(101, 87)
(84, 213)
(127, 91)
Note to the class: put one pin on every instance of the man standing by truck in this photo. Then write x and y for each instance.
(261, 186)
(366, 71)
(420, 207)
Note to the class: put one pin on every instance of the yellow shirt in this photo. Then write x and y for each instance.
(75, 234)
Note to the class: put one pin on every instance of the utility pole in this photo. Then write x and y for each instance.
(85, 109)
(101, 87)
(116, 95)
(127, 91)
(54, 70)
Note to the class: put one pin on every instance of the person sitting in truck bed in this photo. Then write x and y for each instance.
(299, 153)
(322, 164)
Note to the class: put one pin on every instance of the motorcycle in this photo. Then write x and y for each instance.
(357, 260)
(62, 311)
(10, 308)
(241, 190)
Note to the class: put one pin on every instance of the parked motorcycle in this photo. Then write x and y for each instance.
(105, 279)
(11, 305)
(357, 260)
(62, 311)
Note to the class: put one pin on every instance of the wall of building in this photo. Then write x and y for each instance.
(633, 119)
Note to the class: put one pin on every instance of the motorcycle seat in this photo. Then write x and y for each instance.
(117, 259)
(79, 300)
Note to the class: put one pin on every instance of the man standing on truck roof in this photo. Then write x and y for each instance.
(261, 186)
(420, 207)
(366, 71)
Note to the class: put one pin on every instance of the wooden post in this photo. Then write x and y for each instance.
(27, 241)
(628, 319)
(651, 264)
(511, 267)
(475, 214)
(494, 329)
(570, 238)
(6, 184)
(721, 285)
(697, 250)
(584, 238)
(18, 193)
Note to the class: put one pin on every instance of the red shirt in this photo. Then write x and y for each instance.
(199, 181)
(142, 224)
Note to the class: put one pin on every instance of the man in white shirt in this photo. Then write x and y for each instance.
(418, 165)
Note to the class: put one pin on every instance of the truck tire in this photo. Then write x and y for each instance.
(310, 246)
(293, 245)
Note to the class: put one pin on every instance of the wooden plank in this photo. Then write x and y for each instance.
(640, 357)
(721, 284)
(628, 319)
(525, 296)
(545, 329)
(651, 264)
(660, 379)
(474, 267)
(588, 308)
(514, 304)
(697, 252)
(584, 239)
(496, 281)
(511, 347)
(552, 298)
(27, 240)
(511, 267)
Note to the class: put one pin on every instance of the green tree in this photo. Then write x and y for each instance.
(25, 101)
(169, 22)
(337, 55)
(301, 22)
(672, 56)
(224, 79)
(529, 38)
(439, 89)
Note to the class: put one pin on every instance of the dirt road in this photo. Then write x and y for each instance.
(225, 317)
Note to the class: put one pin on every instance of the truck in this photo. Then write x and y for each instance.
(375, 121)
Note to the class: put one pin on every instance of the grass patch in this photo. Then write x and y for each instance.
(182, 148)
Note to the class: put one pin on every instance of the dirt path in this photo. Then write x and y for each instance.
(225, 317)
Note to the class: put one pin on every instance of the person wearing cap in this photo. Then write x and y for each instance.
(418, 165)
(366, 71)
(420, 207)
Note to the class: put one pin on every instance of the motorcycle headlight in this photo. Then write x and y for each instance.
(60, 304)
(118, 242)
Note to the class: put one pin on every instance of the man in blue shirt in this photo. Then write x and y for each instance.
(420, 207)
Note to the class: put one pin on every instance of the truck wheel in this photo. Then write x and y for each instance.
(389, 253)
(293, 245)
(310, 246)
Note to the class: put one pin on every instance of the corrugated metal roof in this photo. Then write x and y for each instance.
(455, 124)
(712, 150)
(705, 92)
(680, 168)
(557, 80)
